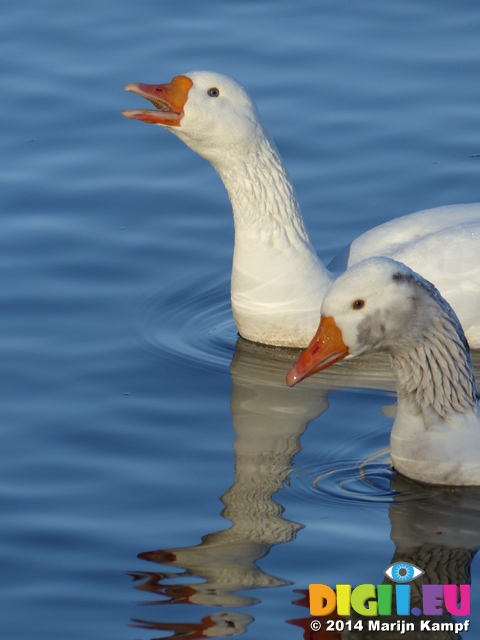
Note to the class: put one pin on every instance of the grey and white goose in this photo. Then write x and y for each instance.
(382, 305)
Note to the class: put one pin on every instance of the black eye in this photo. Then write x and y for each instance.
(213, 92)
(358, 304)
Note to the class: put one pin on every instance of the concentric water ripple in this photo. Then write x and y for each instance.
(373, 482)
(191, 322)
(346, 482)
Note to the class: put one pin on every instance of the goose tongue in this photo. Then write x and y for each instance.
(169, 100)
(326, 348)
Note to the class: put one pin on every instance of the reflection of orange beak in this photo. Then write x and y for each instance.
(326, 348)
(169, 100)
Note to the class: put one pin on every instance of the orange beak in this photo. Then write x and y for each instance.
(326, 348)
(169, 100)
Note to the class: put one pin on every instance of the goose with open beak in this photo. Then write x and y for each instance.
(278, 282)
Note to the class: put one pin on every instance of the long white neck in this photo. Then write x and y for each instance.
(278, 281)
(436, 434)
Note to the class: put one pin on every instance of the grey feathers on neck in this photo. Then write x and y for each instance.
(437, 372)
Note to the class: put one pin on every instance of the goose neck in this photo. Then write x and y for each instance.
(262, 196)
(437, 375)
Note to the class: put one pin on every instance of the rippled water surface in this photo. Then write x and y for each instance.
(156, 475)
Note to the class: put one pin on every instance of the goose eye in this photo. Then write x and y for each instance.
(213, 92)
(358, 304)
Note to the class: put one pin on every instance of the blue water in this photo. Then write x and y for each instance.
(156, 476)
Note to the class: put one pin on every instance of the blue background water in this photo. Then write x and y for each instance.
(132, 446)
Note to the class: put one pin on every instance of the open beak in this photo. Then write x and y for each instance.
(326, 348)
(169, 100)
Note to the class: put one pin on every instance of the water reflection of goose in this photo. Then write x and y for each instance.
(381, 304)
(268, 420)
(278, 281)
(437, 530)
(433, 528)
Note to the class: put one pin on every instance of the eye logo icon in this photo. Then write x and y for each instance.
(403, 572)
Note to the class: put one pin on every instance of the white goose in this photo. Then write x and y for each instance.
(382, 305)
(278, 281)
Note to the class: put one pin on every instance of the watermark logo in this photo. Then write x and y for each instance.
(377, 600)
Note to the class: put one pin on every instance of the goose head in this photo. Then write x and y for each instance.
(377, 305)
(210, 112)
